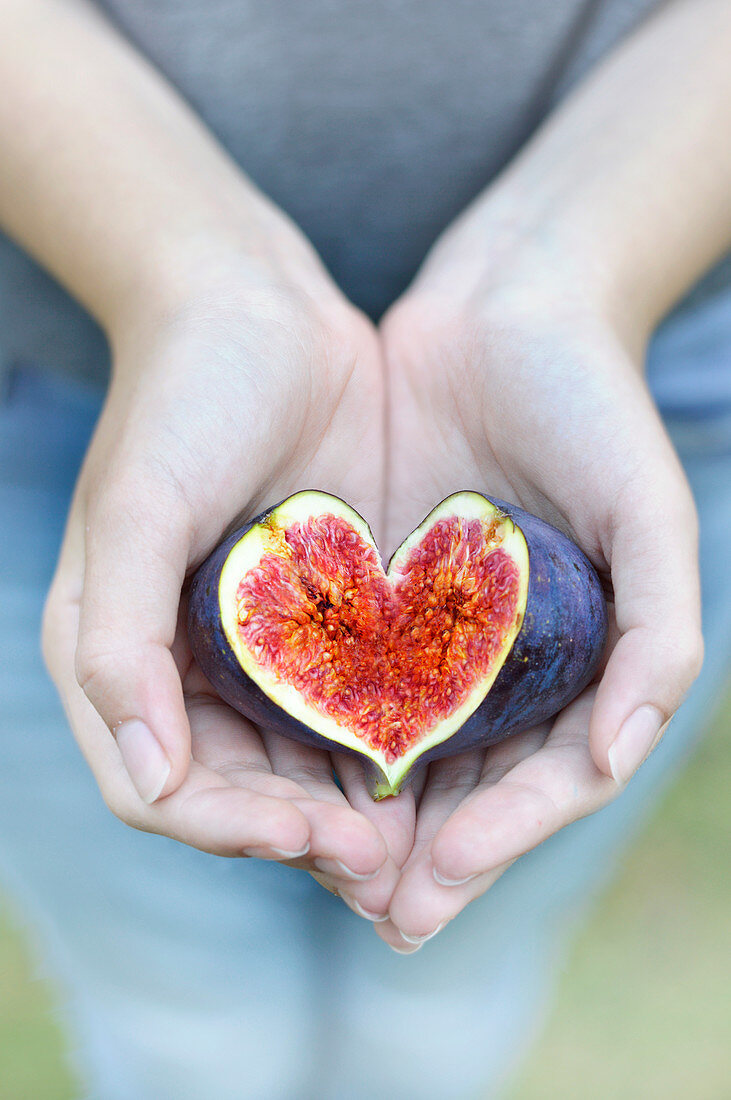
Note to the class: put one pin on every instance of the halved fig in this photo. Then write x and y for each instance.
(486, 622)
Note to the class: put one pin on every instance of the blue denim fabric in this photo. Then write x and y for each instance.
(187, 976)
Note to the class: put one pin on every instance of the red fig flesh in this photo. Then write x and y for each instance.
(300, 627)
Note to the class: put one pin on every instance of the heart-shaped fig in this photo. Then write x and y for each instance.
(487, 621)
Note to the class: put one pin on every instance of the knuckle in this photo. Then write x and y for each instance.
(100, 491)
(92, 666)
(128, 518)
(684, 658)
(138, 486)
(693, 651)
(124, 807)
(681, 510)
(660, 490)
(122, 499)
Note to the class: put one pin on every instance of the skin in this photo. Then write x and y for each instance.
(515, 361)
(151, 502)
(240, 373)
(513, 364)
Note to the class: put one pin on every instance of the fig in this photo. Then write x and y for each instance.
(486, 622)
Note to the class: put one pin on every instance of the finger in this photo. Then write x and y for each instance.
(422, 905)
(227, 743)
(445, 784)
(655, 576)
(336, 887)
(448, 783)
(395, 818)
(230, 745)
(369, 899)
(209, 813)
(136, 556)
(544, 792)
(206, 811)
(341, 839)
(410, 927)
(233, 748)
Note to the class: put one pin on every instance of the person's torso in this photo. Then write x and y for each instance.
(371, 122)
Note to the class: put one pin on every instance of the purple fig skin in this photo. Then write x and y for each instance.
(553, 658)
(558, 648)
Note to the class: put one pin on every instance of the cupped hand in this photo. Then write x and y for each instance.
(517, 381)
(256, 384)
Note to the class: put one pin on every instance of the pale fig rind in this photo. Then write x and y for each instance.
(553, 658)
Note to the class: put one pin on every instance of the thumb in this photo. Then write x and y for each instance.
(654, 567)
(136, 556)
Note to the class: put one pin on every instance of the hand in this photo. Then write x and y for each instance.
(516, 381)
(259, 383)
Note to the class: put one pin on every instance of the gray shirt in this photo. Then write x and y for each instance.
(371, 122)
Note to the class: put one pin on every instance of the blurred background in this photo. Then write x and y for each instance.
(642, 1010)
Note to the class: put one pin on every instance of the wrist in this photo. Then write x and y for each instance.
(200, 267)
(509, 258)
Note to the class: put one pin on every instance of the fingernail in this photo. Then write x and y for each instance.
(143, 757)
(406, 950)
(451, 881)
(423, 939)
(267, 852)
(340, 870)
(284, 853)
(375, 917)
(632, 744)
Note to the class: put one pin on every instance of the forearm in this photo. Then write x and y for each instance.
(108, 178)
(630, 178)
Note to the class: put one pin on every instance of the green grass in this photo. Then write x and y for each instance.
(643, 1010)
(32, 1064)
